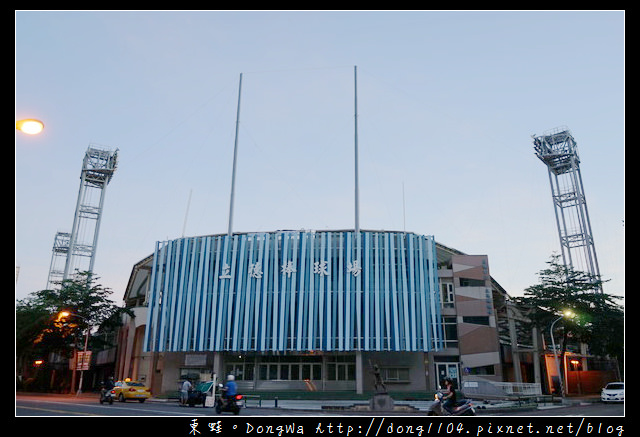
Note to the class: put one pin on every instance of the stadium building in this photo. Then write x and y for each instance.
(304, 310)
(310, 310)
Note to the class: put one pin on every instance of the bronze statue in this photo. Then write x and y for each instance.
(378, 382)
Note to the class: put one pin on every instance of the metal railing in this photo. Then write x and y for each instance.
(493, 389)
(519, 388)
(256, 398)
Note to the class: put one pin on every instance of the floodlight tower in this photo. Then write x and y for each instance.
(79, 246)
(58, 258)
(558, 150)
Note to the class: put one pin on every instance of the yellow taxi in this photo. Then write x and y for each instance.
(128, 389)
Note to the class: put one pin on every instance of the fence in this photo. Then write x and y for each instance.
(255, 400)
(520, 389)
(483, 388)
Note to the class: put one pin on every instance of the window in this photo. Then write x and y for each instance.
(311, 371)
(290, 368)
(284, 372)
(450, 331)
(448, 369)
(476, 320)
(395, 374)
(273, 371)
(295, 372)
(448, 298)
(242, 371)
(483, 370)
(290, 371)
(468, 282)
(341, 367)
(341, 372)
(196, 374)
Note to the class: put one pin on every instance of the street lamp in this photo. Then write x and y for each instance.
(30, 126)
(569, 314)
(86, 342)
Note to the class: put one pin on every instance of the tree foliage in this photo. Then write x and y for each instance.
(599, 319)
(41, 329)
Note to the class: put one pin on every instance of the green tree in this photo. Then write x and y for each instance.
(599, 320)
(40, 329)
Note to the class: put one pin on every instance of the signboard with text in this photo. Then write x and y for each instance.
(83, 360)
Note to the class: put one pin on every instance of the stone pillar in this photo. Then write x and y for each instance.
(359, 373)
(381, 402)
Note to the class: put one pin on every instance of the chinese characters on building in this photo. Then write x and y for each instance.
(320, 268)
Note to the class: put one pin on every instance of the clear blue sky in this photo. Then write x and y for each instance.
(447, 104)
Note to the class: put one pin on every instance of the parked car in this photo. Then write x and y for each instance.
(613, 392)
(128, 389)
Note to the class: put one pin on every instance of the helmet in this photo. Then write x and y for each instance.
(231, 378)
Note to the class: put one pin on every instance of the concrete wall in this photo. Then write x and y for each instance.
(477, 328)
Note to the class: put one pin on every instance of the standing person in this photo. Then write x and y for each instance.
(184, 391)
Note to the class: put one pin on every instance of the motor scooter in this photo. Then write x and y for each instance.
(463, 407)
(224, 403)
(107, 395)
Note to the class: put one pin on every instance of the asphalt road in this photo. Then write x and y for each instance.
(66, 405)
(44, 414)
(88, 406)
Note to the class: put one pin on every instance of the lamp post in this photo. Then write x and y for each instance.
(86, 342)
(30, 126)
(569, 314)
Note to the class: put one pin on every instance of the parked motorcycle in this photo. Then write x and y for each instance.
(463, 407)
(107, 395)
(223, 403)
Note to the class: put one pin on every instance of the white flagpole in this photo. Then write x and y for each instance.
(235, 158)
(357, 195)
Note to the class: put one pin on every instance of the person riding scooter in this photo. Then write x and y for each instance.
(450, 396)
(228, 397)
(106, 386)
(109, 384)
(230, 388)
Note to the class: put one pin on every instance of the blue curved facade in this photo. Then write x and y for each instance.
(289, 291)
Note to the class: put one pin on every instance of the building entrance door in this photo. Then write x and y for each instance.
(448, 370)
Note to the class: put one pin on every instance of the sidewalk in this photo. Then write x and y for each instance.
(481, 407)
(409, 407)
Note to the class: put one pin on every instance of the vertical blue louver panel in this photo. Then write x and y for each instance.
(295, 291)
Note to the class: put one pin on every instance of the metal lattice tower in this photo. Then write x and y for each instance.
(58, 258)
(78, 248)
(558, 150)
